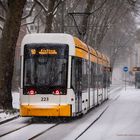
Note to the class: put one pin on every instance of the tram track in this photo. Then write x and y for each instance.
(14, 130)
(116, 98)
(32, 124)
(91, 124)
(29, 136)
(50, 125)
(32, 138)
(58, 122)
(84, 131)
(12, 122)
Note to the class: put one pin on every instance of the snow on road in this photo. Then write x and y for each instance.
(121, 121)
(27, 132)
(71, 130)
(13, 125)
(65, 129)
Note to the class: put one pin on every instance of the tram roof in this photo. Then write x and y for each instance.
(99, 54)
(59, 38)
(93, 52)
(80, 44)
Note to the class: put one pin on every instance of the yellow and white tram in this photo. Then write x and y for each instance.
(61, 76)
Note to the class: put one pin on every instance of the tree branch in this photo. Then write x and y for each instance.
(41, 5)
(75, 5)
(2, 18)
(28, 29)
(1, 28)
(3, 6)
(53, 11)
(132, 2)
(99, 7)
(33, 19)
(30, 13)
(45, 9)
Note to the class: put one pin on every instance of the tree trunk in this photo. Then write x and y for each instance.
(7, 50)
(85, 19)
(49, 16)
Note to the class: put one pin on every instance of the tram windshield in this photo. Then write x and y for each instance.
(45, 65)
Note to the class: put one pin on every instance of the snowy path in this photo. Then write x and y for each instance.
(121, 121)
(22, 129)
(71, 130)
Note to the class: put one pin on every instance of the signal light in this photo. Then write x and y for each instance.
(57, 92)
(31, 92)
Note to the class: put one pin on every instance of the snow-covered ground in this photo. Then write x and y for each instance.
(121, 121)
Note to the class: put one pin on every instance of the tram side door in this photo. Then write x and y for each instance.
(78, 76)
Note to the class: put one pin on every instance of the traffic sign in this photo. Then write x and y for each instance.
(125, 69)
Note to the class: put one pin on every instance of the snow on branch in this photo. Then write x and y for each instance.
(30, 13)
(46, 10)
(32, 22)
(41, 5)
(55, 8)
(2, 18)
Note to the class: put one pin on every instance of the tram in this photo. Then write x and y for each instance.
(61, 76)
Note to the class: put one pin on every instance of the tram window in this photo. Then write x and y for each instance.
(73, 78)
(105, 80)
(93, 75)
(99, 76)
(76, 77)
(84, 75)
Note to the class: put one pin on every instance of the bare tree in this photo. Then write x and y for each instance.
(7, 50)
(120, 38)
(50, 8)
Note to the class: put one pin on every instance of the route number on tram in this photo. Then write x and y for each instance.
(44, 99)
